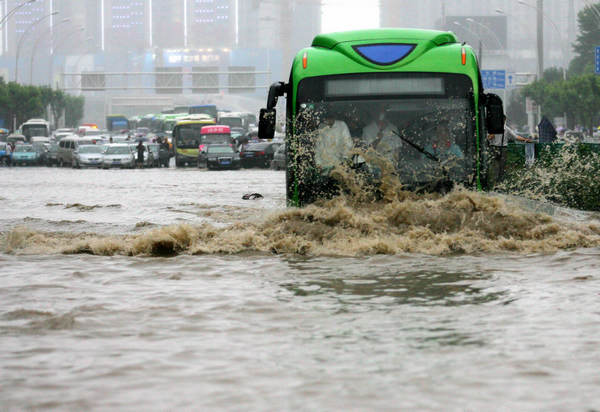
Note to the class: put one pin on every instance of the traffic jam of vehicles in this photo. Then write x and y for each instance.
(199, 137)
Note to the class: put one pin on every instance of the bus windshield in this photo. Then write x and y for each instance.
(214, 138)
(188, 136)
(422, 123)
(232, 121)
(35, 130)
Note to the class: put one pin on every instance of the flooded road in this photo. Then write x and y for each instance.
(164, 290)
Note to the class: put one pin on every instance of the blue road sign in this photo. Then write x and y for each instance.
(494, 79)
(511, 79)
(597, 60)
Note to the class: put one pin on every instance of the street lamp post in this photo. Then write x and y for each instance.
(558, 32)
(23, 37)
(13, 11)
(540, 30)
(37, 42)
(500, 45)
(471, 20)
(480, 57)
(5, 18)
(67, 36)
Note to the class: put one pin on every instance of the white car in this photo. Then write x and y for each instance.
(88, 155)
(118, 155)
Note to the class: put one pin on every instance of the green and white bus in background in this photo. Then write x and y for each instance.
(413, 80)
(187, 137)
(168, 122)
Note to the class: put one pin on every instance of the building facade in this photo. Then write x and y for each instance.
(495, 23)
(286, 25)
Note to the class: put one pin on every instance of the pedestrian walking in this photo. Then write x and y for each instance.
(140, 154)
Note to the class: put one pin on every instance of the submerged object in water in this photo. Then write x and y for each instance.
(252, 196)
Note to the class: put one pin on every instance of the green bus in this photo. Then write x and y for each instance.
(168, 121)
(396, 86)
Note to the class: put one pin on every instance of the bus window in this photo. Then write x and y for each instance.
(189, 137)
(30, 130)
(397, 120)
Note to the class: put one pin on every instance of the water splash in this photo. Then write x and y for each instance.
(461, 222)
(568, 176)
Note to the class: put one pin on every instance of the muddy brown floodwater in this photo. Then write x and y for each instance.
(164, 290)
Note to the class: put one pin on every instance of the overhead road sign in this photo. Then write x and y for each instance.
(494, 79)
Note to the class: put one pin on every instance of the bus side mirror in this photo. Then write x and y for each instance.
(494, 114)
(277, 89)
(266, 124)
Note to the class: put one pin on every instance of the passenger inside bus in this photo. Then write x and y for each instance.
(443, 146)
(382, 135)
(400, 131)
(333, 143)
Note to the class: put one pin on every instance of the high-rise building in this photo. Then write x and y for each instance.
(168, 23)
(23, 17)
(79, 14)
(127, 25)
(286, 25)
(211, 23)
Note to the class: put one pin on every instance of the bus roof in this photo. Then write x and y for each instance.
(187, 121)
(217, 129)
(385, 50)
(175, 116)
(36, 121)
(375, 36)
(198, 116)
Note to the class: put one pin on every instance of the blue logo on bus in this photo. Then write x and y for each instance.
(384, 54)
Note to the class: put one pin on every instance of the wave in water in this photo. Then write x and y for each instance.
(81, 207)
(461, 222)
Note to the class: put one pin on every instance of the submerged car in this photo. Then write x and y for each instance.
(52, 155)
(25, 155)
(42, 149)
(118, 155)
(219, 156)
(88, 155)
(258, 154)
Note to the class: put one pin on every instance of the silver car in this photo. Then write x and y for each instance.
(118, 155)
(88, 155)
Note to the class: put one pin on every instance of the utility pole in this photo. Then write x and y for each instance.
(540, 46)
(286, 33)
(571, 29)
(444, 16)
(540, 38)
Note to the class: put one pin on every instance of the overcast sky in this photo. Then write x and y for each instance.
(339, 15)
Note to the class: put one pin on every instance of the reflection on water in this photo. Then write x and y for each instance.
(421, 288)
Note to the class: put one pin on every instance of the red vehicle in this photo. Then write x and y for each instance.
(215, 134)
